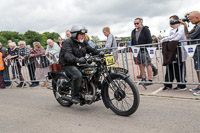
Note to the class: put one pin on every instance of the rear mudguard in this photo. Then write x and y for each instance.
(53, 75)
(112, 75)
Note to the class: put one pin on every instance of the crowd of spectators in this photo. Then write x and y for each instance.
(37, 59)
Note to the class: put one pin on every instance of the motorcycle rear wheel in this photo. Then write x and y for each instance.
(59, 94)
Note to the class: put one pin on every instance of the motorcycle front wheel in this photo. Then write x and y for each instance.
(121, 95)
(60, 90)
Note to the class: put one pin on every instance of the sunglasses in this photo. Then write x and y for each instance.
(136, 23)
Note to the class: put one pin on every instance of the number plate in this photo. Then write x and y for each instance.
(119, 69)
(110, 61)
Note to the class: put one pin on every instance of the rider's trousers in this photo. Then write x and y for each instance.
(76, 78)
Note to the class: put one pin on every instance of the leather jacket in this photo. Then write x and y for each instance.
(72, 50)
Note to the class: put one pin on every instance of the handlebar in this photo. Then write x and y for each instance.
(95, 59)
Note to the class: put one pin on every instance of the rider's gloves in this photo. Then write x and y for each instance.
(82, 60)
(101, 53)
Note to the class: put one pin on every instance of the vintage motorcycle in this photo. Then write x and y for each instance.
(100, 81)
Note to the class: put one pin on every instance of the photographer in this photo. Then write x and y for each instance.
(194, 18)
(177, 33)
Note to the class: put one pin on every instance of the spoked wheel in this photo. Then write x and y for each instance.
(62, 91)
(122, 96)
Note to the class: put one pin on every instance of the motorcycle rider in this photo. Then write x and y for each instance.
(73, 51)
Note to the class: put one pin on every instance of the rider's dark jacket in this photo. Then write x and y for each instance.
(72, 50)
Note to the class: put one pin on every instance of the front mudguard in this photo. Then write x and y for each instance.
(112, 76)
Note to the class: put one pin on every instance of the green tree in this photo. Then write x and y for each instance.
(32, 36)
(11, 35)
(3, 41)
(95, 39)
(125, 38)
(54, 36)
(44, 41)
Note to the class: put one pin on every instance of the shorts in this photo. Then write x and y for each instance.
(196, 62)
(143, 58)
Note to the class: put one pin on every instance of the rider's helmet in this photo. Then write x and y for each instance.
(77, 29)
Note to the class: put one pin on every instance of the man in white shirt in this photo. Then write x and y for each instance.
(177, 33)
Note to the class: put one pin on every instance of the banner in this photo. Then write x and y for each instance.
(151, 51)
(190, 49)
(135, 51)
(38, 59)
(20, 62)
(56, 56)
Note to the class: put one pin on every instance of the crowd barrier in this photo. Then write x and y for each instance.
(126, 55)
(28, 71)
(16, 71)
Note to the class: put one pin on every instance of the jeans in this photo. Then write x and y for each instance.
(76, 78)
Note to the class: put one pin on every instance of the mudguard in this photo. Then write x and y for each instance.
(112, 75)
(52, 75)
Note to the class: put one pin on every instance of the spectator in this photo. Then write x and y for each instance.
(194, 18)
(60, 42)
(32, 69)
(68, 34)
(6, 75)
(16, 65)
(178, 67)
(52, 51)
(2, 86)
(87, 38)
(9, 50)
(141, 35)
(23, 55)
(111, 42)
(41, 63)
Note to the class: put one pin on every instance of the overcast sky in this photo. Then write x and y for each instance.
(60, 15)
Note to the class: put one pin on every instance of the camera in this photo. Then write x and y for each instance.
(173, 22)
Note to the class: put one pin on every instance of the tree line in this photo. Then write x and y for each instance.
(29, 36)
(33, 36)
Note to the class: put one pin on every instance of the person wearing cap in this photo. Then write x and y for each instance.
(73, 51)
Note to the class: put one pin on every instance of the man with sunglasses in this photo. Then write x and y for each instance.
(73, 51)
(139, 36)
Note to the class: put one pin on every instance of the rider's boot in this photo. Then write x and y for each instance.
(75, 99)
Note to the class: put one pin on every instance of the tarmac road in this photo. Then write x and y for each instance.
(35, 110)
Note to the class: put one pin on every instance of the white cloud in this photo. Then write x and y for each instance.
(59, 15)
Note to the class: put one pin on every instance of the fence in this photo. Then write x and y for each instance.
(126, 60)
(15, 71)
(32, 70)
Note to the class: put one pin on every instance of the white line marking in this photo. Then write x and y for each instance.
(155, 92)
